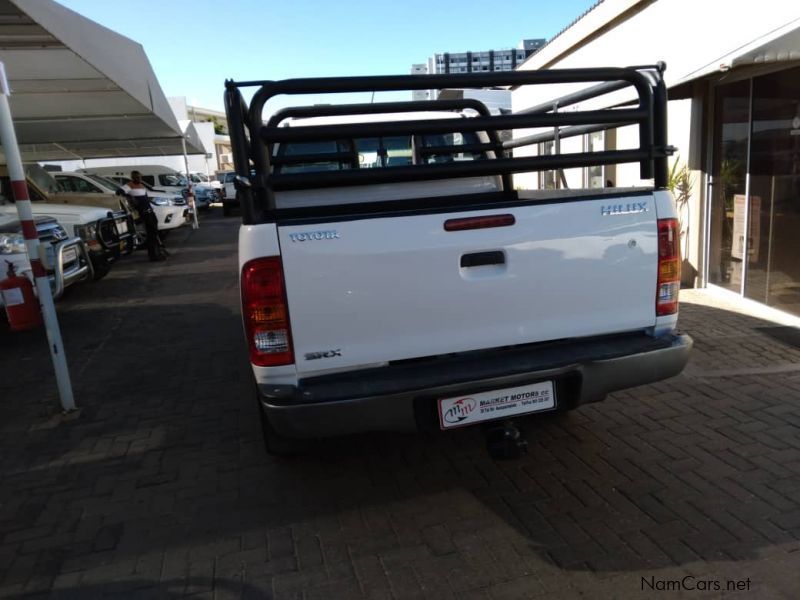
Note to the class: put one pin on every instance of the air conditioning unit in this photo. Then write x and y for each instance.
(225, 158)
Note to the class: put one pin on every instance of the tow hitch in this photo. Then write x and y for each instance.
(505, 441)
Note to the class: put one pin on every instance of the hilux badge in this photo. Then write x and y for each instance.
(308, 236)
(632, 208)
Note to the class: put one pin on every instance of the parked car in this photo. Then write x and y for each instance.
(170, 210)
(201, 178)
(392, 277)
(229, 199)
(65, 259)
(43, 187)
(158, 176)
(108, 234)
(204, 196)
(226, 179)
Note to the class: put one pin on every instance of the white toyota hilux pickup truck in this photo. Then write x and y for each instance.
(392, 278)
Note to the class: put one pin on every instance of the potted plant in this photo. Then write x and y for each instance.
(680, 183)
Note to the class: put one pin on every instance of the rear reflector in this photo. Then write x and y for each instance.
(669, 267)
(479, 222)
(266, 317)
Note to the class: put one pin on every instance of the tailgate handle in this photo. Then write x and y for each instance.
(481, 259)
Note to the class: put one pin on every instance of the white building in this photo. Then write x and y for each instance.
(473, 62)
(733, 74)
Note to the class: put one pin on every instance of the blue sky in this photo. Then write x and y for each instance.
(194, 45)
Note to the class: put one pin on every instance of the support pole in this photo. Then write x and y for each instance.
(19, 188)
(190, 199)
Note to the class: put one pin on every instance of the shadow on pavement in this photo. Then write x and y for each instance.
(165, 465)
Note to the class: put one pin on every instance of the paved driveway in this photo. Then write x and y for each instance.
(160, 486)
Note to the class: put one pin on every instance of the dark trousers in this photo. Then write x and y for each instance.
(151, 228)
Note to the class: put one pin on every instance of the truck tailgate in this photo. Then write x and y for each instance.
(374, 289)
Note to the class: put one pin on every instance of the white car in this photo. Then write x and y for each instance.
(170, 210)
(200, 178)
(392, 277)
(226, 179)
(66, 260)
(108, 233)
(160, 177)
(106, 237)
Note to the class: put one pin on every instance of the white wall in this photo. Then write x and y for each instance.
(688, 35)
(692, 37)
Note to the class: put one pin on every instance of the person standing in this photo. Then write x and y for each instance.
(137, 192)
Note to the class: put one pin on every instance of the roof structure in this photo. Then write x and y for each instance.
(80, 90)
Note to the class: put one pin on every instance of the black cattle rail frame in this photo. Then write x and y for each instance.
(252, 141)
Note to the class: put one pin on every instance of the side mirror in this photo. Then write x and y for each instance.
(241, 183)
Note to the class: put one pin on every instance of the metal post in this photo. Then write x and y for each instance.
(19, 188)
(190, 199)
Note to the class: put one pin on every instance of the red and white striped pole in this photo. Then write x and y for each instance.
(19, 188)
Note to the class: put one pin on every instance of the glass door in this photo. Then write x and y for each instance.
(729, 171)
(773, 272)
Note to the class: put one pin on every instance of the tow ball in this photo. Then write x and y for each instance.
(505, 441)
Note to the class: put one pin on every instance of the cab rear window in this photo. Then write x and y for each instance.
(371, 153)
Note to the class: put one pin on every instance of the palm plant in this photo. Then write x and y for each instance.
(680, 183)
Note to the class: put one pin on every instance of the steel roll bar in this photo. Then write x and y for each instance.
(253, 142)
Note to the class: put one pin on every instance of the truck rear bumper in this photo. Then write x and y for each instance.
(403, 396)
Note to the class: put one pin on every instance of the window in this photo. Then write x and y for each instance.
(314, 148)
(594, 176)
(7, 194)
(105, 182)
(448, 139)
(371, 153)
(67, 183)
(149, 179)
(168, 179)
(547, 179)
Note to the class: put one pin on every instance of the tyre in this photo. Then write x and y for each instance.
(101, 268)
(226, 209)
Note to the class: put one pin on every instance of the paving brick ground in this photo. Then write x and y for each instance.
(160, 487)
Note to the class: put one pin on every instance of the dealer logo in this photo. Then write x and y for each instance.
(461, 409)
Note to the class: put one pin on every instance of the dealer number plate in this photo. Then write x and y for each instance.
(69, 255)
(496, 404)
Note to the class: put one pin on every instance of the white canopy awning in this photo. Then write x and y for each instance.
(780, 45)
(80, 90)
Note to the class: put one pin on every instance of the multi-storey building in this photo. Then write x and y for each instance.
(473, 62)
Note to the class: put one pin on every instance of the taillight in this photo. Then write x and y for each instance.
(479, 222)
(669, 267)
(265, 311)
